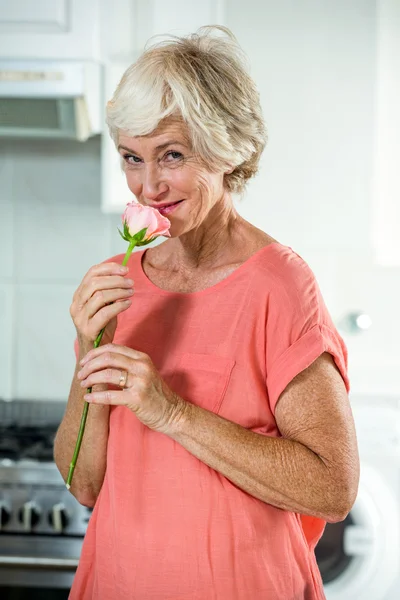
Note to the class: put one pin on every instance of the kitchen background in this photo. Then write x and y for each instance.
(328, 186)
(316, 65)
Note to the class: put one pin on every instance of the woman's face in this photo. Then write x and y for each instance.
(161, 170)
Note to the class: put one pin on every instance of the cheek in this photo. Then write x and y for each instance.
(133, 181)
(181, 180)
(209, 187)
(197, 181)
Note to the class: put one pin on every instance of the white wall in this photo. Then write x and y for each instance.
(315, 63)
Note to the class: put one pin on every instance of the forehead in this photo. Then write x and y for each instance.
(166, 130)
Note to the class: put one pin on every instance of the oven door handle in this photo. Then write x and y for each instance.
(38, 562)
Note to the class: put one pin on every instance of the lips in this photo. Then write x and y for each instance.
(166, 209)
(158, 206)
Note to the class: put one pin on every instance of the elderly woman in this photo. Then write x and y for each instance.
(213, 472)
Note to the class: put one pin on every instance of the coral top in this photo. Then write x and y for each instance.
(165, 525)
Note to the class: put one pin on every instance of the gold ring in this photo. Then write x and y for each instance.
(123, 378)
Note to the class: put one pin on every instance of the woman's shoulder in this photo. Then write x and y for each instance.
(285, 262)
(286, 276)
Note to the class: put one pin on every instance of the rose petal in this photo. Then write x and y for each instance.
(137, 217)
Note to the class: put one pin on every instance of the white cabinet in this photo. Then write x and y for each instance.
(50, 29)
(126, 40)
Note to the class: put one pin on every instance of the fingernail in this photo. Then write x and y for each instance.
(123, 269)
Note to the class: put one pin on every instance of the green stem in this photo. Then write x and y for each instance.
(96, 343)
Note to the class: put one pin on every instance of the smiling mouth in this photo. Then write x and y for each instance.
(168, 205)
(167, 208)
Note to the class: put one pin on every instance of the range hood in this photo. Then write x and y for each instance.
(50, 99)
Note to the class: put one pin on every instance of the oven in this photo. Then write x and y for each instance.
(32, 568)
(42, 525)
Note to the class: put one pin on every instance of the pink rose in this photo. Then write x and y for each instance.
(138, 217)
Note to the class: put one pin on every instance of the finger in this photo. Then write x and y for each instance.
(115, 349)
(101, 270)
(108, 268)
(104, 316)
(89, 289)
(111, 397)
(109, 376)
(106, 362)
(103, 298)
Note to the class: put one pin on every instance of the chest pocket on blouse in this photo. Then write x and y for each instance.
(202, 379)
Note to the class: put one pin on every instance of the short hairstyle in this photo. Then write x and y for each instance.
(201, 78)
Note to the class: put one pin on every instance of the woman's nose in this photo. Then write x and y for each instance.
(153, 183)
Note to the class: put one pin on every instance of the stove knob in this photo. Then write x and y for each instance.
(58, 517)
(5, 514)
(29, 515)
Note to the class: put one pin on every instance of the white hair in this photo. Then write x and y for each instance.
(202, 79)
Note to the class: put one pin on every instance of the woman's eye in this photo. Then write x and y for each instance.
(173, 156)
(135, 159)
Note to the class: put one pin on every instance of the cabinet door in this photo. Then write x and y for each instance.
(49, 29)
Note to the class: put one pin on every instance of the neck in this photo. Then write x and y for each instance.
(209, 244)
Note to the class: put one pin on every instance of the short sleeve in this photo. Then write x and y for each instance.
(299, 328)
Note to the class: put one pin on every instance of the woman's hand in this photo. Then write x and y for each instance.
(144, 391)
(103, 293)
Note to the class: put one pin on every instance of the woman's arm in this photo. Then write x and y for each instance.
(90, 468)
(102, 295)
(313, 469)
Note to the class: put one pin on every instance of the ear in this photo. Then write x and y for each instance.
(230, 170)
